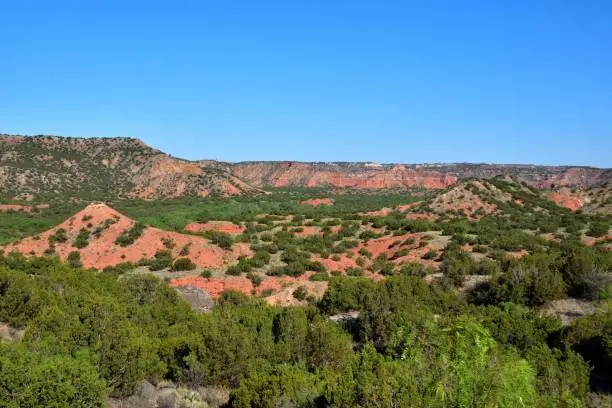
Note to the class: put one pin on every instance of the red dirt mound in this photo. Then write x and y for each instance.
(102, 251)
(566, 200)
(220, 226)
(315, 202)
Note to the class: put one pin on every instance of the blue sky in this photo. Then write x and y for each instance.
(433, 81)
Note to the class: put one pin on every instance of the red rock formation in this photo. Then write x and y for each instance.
(350, 176)
(575, 176)
(570, 201)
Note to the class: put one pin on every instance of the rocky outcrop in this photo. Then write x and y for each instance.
(341, 175)
(567, 200)
(576, 177)
(594, 200)
(545, 177)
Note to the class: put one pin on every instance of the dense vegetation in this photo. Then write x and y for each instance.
(89, 335)
(175, 214)
(15, 225)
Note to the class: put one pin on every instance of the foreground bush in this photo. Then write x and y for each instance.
(91, 334)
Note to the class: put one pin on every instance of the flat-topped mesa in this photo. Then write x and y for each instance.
(74, 143)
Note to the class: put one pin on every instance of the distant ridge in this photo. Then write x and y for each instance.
(42, 167)
(46, 167)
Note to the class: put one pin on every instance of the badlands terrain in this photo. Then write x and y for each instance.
(273, 284)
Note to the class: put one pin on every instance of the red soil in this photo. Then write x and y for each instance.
(591, 241)
(22, 208)
(102, 251)
(335, 228)
(422, 216)
(388, 245)
(517, 254)
(315, 202)
(383, 212)
(341, 265)
(229, 190)
(242, 249)
(220, 226)
(406, 207)
(308, 231)
(566, 200)
(283, 287)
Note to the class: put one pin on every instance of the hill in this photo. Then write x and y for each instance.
(596, 200)
(43, 167)
(104, 237)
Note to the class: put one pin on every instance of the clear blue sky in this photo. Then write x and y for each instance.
(516, 81)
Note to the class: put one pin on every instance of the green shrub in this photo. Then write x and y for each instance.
(59, 236)
(255, 279)
(319, 277)
(74, 259)
(183, 264)
(431, 254)
(82, 239)
(120, 268)
(221, 239)
(162, 260)
(185, 250)
(300, 293)
(354, 272)
(233, 270)
(130, 235)
(168, 243)
(598, 229)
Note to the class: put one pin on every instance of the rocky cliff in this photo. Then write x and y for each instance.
(342, 175)
(546, 177)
